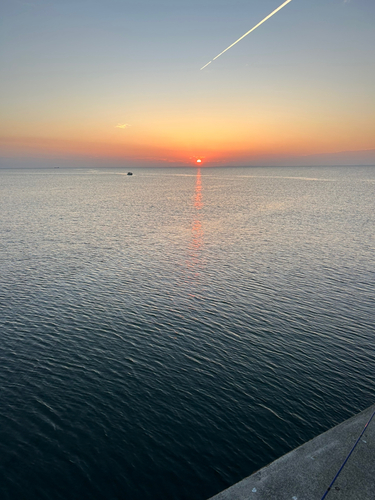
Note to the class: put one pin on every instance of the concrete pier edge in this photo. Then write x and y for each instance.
(306, 472)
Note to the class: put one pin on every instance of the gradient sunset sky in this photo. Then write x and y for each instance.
(118, 83)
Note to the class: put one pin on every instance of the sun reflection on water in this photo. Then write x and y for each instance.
(197, 228)
(197, 233)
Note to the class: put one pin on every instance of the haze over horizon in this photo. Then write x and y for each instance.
(119, 83)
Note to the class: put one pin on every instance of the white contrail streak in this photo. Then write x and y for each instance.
(252, 29)
(206, 65)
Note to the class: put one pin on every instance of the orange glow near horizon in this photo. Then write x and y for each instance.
(220, 143)
(235, 132)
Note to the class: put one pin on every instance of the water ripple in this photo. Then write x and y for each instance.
(163, 336)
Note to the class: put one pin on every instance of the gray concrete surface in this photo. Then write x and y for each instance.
(306, 472)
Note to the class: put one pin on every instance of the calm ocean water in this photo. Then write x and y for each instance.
(164, 335)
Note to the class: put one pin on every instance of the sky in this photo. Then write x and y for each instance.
(118, 83)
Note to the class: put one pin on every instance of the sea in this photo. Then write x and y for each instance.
(165, 334)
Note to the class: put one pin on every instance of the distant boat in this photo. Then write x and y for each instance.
(130, 173)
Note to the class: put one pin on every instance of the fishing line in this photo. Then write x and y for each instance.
(346, 459)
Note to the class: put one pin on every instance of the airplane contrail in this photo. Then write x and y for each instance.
(252, 29)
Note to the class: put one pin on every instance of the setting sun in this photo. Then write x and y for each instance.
(199, 161)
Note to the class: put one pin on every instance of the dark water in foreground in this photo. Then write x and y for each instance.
(166, 334)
